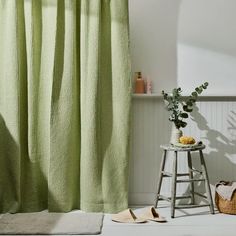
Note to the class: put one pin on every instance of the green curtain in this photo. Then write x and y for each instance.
(64, 105)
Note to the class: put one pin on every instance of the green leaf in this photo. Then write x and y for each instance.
(194, 94)
(187, 109)
(198, 90)
(192, 99)
(184, 115)
(189, 103)
(183, 124)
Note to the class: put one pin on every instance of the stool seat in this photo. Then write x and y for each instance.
(170, 147)
(191, 180)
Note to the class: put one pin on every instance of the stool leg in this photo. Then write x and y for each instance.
(173, 188)
(162, 168)
(207, 185)
(190, 166)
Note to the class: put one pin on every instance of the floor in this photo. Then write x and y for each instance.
(190, 222)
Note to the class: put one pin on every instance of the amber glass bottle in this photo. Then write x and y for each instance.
(139, 84)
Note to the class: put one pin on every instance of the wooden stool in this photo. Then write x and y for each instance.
(191, 180)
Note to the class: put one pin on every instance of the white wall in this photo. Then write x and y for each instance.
(207, 45)
(197, 65)
(153, 32)
(153, 36)
(153, 28)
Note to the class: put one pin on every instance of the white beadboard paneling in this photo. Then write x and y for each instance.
(213, 121)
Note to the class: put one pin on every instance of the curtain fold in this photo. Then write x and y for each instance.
(64, 105)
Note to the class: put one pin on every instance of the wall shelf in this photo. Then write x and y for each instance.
(152, 95)
(210, 97)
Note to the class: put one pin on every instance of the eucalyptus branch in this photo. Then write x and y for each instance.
(178, 107)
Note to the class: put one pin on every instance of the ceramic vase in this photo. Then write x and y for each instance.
(175, 135)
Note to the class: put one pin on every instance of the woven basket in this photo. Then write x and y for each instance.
(225, 206)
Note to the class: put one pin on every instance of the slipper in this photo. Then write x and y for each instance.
(151, 214)
(127, 216)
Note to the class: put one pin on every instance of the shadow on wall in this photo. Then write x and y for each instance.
(221, 157)
(220, 154)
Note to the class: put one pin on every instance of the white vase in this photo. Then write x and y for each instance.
(175, 135)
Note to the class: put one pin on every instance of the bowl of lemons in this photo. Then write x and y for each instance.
(187, 141)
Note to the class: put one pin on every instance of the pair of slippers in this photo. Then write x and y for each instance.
(128, 216)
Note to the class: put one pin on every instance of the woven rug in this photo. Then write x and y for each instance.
(45, 223)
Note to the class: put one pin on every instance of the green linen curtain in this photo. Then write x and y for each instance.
(64, 105)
